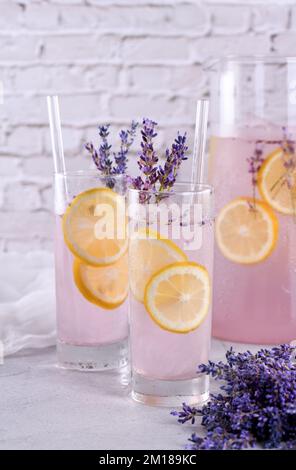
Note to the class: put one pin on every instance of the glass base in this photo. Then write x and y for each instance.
(93, 358)
(171, 393)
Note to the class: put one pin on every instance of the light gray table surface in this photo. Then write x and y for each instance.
(43, 407)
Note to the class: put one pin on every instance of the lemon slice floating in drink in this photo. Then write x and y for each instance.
(94, 227)
(277, 182)
(178, 296)
(246, 230)
(105, 286)
(150, 250)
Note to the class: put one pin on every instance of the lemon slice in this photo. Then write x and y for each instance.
(105, 286)
(178, 296)
(273, 178)
(246, 230)
(94, 227)
(149, 252)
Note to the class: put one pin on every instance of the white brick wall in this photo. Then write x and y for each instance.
(137, 57)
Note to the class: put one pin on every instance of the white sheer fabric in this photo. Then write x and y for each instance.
(27, 301)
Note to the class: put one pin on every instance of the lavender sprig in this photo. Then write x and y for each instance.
(188, 413)
(153, 177)
(174, 157)
(257, 403)
(289, 157)
(255, 162)
(147, 158)
(126, 138)
(102, 157)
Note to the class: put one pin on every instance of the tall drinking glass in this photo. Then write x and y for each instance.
(91, 270)
(170, 274)
(253, 170)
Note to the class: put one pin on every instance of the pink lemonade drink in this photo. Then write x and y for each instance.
(91, 272)
(254, 176)
(170, 274)
(252, 166)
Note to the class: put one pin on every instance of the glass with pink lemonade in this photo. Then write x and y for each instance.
(91, 270)
(253, 170)
(170, 276)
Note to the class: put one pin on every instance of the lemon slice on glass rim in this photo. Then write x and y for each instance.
(94, 227)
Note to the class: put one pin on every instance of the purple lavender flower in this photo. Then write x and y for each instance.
(289, 159)
(288, 145)
(257, 403)
(174, 157)
(153, 177)
(126, 138)
(188, 413)
(102, 157)
(147, 157)
(255, 163)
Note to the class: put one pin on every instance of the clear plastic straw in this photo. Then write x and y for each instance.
(56, 134)
(200, 138)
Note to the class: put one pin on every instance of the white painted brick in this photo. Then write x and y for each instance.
(21, 197)
(25, 109)
(19, 47)
(78, 16)
(47, 198)
(80, 162)
(150, 77)
(10, 166)
(72, 141)
(158, 107)
(68, 2)
(248, 2)
(24, 141)
(190, 78)
(38, 167)
(80, 108)
(2, 244)
(155, 49)
(293, 17)
(283, 43)
(187, 78)
(81, 47)
(230, 19)
(10, 15)
(102, 76)
(41, 16)
(213, 46)
(63, 78)
(272, 18)
(144, 18)
(6, 79)
(190, 16)
(32, 78)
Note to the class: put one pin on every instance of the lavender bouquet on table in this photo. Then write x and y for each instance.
(257, 404)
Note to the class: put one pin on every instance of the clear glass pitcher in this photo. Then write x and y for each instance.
(252, 166)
